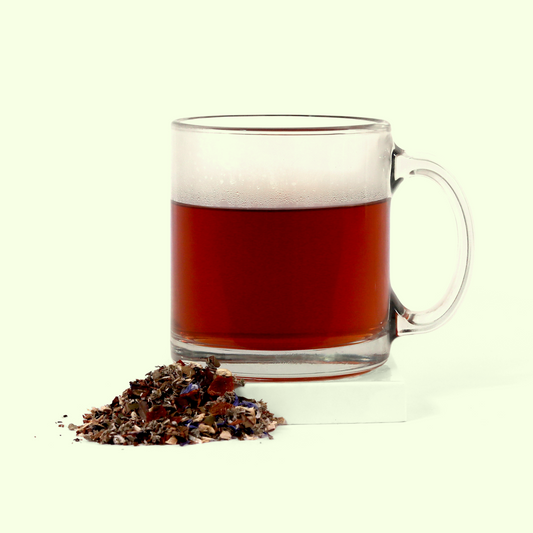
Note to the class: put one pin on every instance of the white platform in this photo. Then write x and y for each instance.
(378, 396)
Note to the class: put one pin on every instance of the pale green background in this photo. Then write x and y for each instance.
(87, 96)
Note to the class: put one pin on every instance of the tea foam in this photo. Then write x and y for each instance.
(280, 171)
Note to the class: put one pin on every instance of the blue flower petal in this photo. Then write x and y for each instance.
(190, 387)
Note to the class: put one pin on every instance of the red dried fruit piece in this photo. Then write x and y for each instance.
(155, 413)
(221, 385)
(220, 408)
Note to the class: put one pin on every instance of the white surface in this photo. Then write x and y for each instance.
(88, 94)
(377, 396)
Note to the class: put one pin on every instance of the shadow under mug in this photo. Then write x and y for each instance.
(280, 244)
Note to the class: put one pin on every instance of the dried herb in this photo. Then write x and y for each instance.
(179, 404)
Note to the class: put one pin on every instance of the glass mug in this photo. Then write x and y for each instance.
(280, 244)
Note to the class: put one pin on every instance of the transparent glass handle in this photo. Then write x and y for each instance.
(407, 321)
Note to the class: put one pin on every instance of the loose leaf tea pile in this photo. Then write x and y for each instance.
(179, 404)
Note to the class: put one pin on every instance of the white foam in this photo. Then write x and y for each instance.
(266, 171)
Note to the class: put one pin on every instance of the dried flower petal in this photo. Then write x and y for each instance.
(246, 403)
(190, 387)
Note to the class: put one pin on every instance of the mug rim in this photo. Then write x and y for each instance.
(245, 124)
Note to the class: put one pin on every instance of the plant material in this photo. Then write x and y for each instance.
(179, 404)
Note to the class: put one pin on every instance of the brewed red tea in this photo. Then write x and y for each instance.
(281, 279)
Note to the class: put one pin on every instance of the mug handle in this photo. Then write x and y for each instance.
(407, 321)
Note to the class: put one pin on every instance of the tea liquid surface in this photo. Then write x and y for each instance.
(280, 279)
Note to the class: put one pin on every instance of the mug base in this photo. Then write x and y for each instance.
(299, 365)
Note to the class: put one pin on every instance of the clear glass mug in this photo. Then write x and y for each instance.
(280, 244)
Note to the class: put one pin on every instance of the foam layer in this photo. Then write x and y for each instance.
(247, 171)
